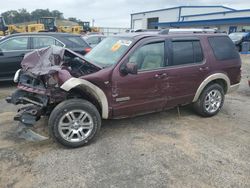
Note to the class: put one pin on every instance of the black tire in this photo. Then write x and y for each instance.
(68, 106)
(199, 105)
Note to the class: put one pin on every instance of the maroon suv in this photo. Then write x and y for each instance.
(124, 76)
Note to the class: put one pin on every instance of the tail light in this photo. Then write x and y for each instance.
(87, 50)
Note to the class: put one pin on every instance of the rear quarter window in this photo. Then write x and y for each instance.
(223, 48)
(75, 42)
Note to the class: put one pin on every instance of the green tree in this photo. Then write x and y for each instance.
(57, 14)
(22, 15)
(38, 13)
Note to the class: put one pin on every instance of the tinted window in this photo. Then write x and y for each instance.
(18, 43)
(93, 40)
(223, 48)
(198, 54)
(186, 52)
(41, 42)
(76, 41)
(149, 56)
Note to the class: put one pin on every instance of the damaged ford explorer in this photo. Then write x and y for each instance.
(125, 75)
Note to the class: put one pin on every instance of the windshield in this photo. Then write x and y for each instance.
(108, 52)
(237, 36)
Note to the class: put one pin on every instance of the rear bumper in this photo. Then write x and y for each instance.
(233, 88)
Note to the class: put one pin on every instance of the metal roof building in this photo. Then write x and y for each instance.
(223, 18)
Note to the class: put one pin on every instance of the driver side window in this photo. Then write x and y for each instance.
(149, 56)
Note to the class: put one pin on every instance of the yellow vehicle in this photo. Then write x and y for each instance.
(3, 27)
(49, 23)
(16, 29)
(76, 29)
(64, 29)
(95, 29)
(35, 28)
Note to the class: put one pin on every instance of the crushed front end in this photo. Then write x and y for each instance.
(43, 72)
(38, 95)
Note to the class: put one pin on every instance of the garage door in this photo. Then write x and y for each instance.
(137, 24)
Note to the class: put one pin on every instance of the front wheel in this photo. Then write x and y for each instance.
(210, 101)
(74, 122)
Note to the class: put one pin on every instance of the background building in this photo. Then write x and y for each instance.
(224, 18)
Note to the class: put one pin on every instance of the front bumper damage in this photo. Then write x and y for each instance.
(35, 99)
(35, 106)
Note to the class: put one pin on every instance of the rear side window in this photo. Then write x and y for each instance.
(186, 52)
(41, 42)
(223, 48)
(76, 41)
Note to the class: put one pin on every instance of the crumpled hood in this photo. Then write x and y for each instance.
(48, 60)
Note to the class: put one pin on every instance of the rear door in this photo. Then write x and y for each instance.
(140, 93)
(186, 68)
(11, 55)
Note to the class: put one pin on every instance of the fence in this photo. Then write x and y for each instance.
(112, 30)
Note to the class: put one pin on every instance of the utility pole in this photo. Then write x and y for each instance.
(93, 22)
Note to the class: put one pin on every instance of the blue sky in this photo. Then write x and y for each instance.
(111, 13)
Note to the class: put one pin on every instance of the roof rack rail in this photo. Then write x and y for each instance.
(188, 30)
(146, 30)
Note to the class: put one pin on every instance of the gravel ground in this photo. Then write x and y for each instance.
(156, 150)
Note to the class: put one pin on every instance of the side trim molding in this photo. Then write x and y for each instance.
(209, 79)
(91, 88)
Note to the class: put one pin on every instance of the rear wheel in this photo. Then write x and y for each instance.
(210, 101)
(74, 122)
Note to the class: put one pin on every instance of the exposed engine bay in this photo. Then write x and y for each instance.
(39, 80)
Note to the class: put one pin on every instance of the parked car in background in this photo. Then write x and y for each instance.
(238, 38)
(127, 75)
(93, 40)
(95, 33)
(14, 47)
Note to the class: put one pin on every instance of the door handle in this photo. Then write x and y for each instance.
(163, 75)
(204, 69)
(157, 76)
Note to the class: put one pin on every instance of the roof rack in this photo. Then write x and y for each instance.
(188, 30)
(146, 30)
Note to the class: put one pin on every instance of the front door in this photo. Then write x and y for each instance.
(12, 52)
(140, 93)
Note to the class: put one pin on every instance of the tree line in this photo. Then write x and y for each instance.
(22, 15)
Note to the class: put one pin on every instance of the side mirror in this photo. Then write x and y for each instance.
(129, 68)
(1, 52)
